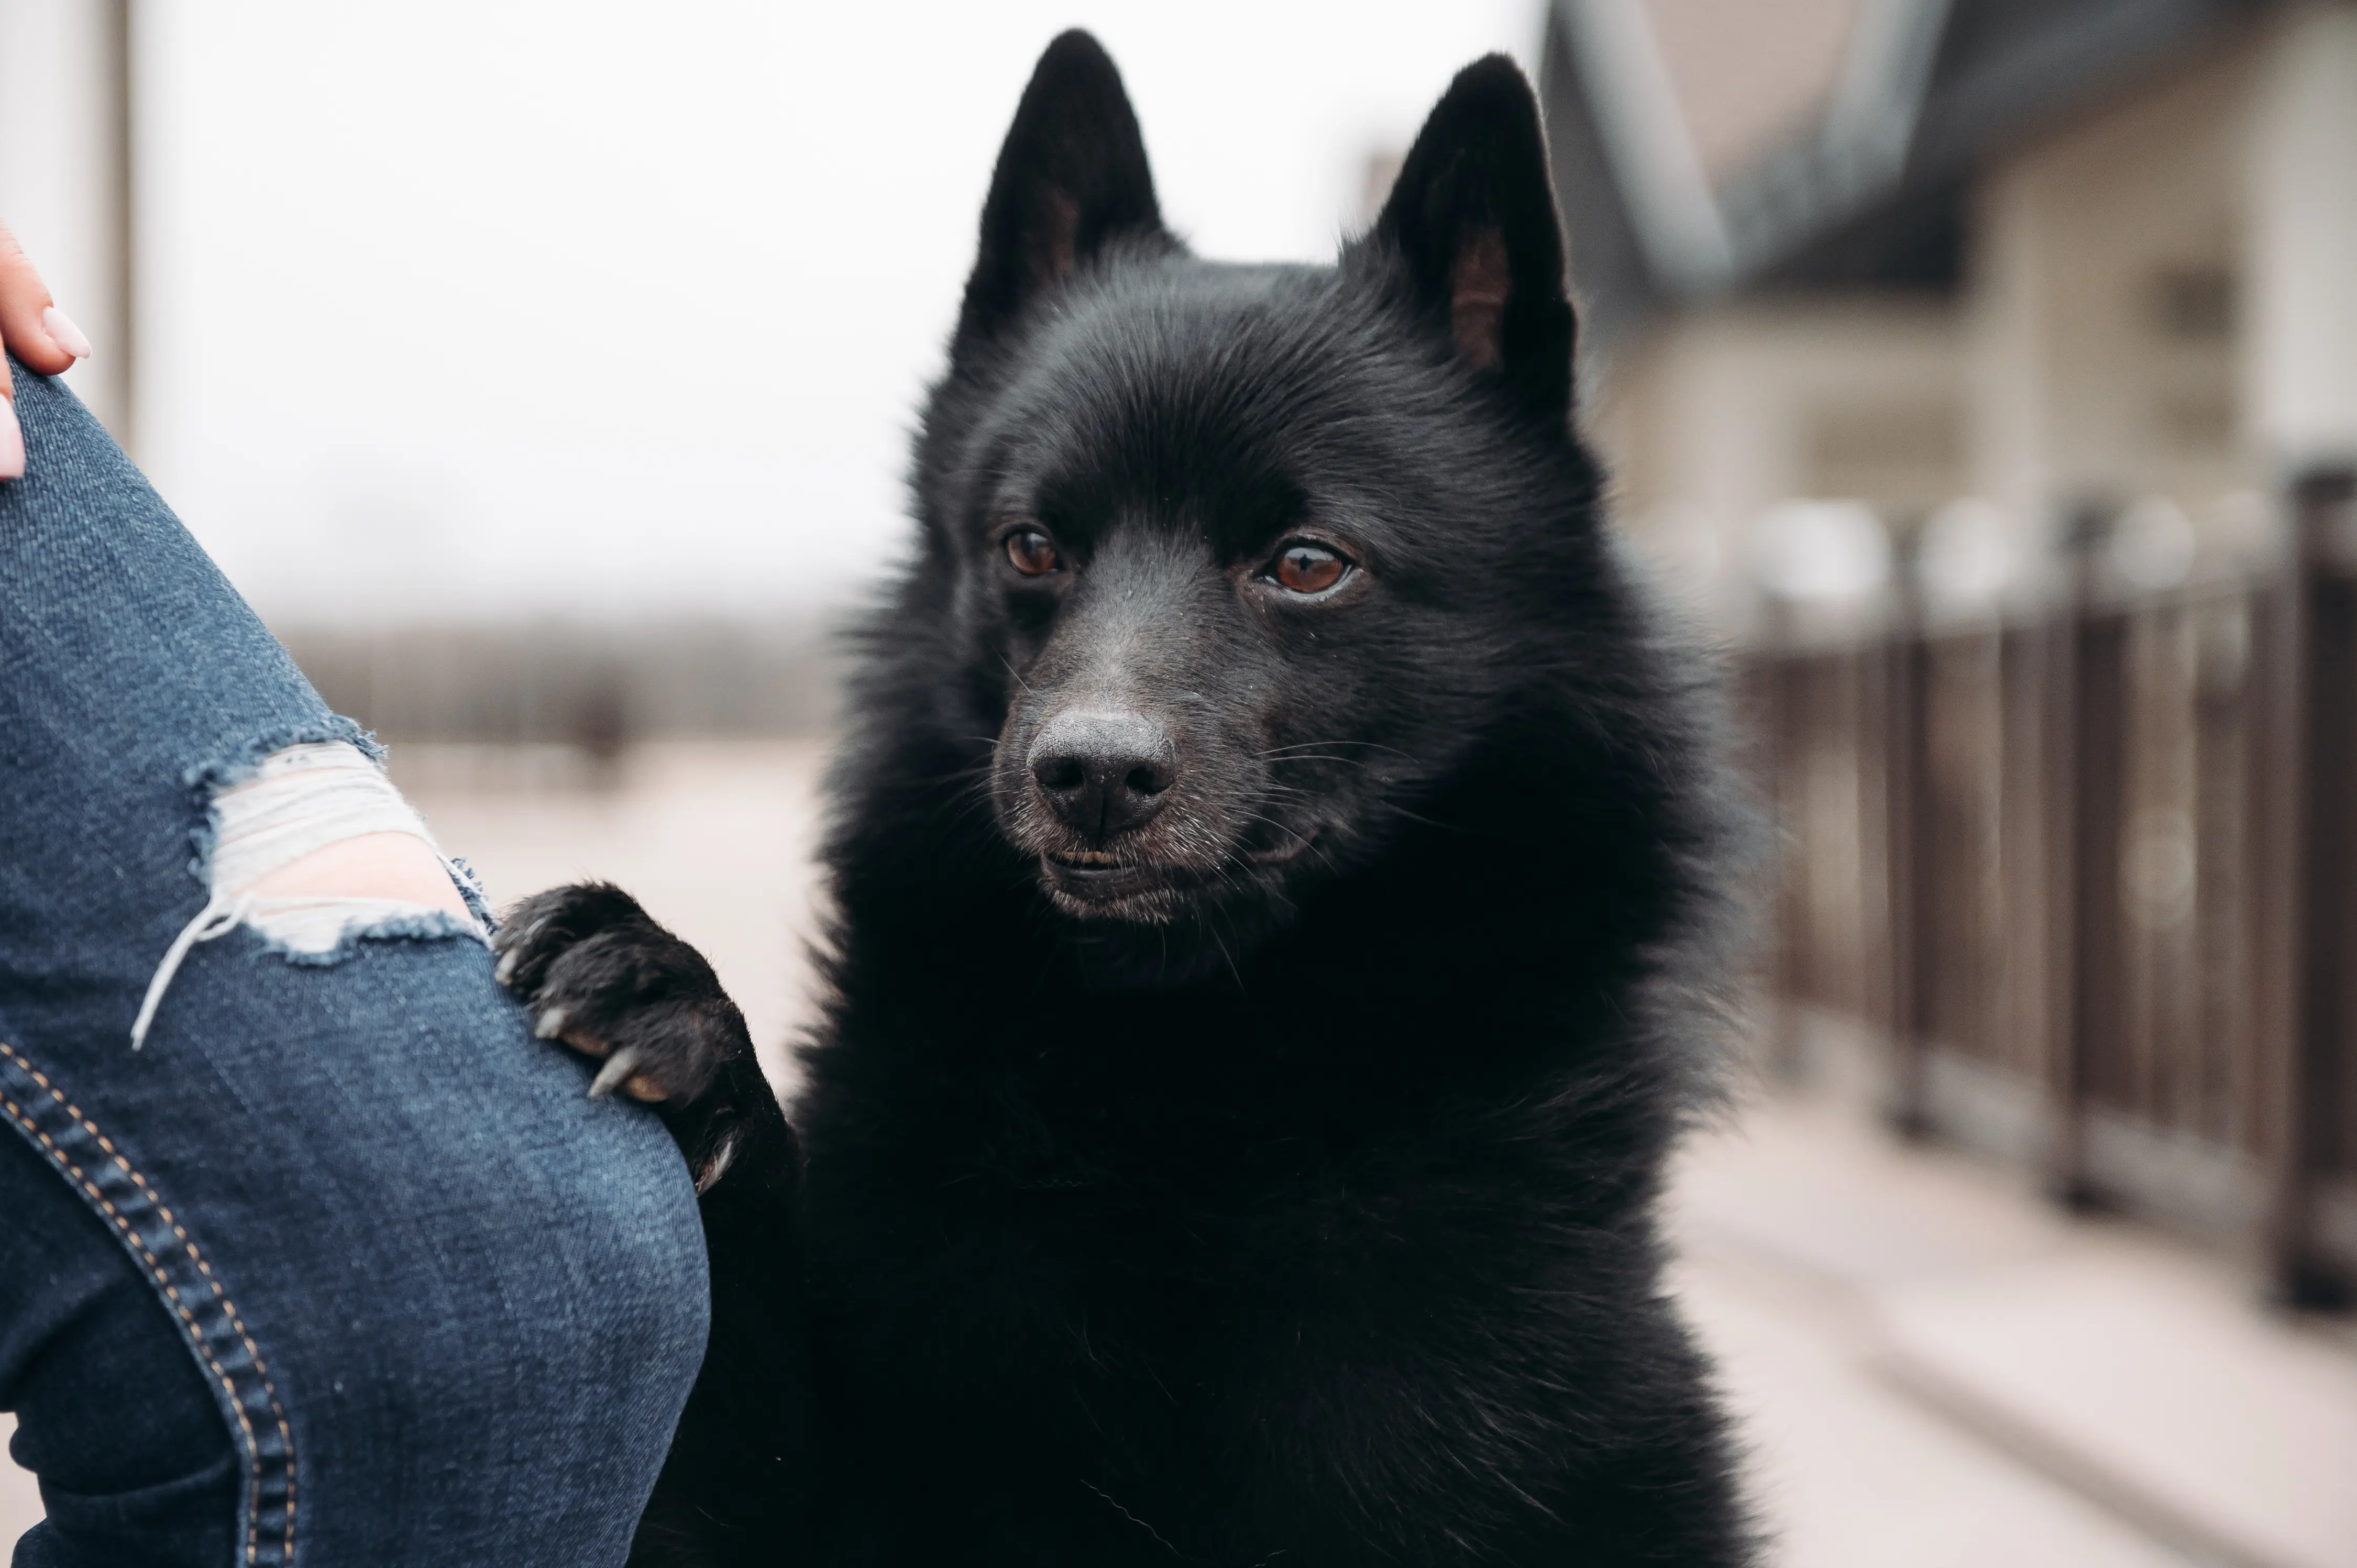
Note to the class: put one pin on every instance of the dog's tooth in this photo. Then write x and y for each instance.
(610, 1076)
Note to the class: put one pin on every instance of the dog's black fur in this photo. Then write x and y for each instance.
(1260, 1011)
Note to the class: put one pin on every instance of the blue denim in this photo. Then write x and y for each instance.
(341, 1267)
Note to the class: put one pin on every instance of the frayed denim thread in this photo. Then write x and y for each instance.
(207, 780)
(292, 929)
(427, 926)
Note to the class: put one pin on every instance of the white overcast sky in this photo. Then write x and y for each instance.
(486, 308)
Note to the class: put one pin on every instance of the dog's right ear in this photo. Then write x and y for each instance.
(1071, 175)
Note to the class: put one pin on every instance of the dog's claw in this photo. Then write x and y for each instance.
(717, 1167)
(618, 1067)
(549, 1023)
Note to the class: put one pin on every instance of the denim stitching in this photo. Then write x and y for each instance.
(122, 1217)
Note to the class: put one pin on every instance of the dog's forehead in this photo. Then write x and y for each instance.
(1173, 380)
(1192, 338)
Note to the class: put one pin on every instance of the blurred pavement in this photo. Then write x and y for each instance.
(1932, 1367)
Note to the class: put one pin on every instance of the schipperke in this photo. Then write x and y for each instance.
(1279, 881)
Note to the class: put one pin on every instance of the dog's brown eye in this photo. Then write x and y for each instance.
(1306, 568)
(1032, 551)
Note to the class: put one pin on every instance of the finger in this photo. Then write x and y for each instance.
(12, 438)
(31, 325)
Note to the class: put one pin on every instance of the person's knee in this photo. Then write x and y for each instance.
(615, 1267)
(558, 1291)
(450, 1276)
(514, 1336)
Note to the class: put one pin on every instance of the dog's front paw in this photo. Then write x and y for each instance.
(600, 976)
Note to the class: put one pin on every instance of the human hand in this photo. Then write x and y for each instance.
(34, 330)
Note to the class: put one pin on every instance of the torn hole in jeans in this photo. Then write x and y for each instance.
(315, 850)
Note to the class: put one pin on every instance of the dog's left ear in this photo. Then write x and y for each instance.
(1473, 216)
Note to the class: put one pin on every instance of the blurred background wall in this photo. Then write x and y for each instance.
(1985, 372)
(1903, 252)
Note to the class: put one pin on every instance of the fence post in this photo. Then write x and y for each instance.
(2084, 734)
(2024, 669)
(1907, 825)
(1780, 678)
(2313, 743)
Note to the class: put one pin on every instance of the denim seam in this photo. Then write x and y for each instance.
(70, 1151)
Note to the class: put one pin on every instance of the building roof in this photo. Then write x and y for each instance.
(1706, 145)
(1750, 77)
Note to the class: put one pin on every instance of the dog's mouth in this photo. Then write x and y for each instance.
(1095, 878)
(1099, 881)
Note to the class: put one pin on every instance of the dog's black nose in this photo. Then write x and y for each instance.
(1104, 772)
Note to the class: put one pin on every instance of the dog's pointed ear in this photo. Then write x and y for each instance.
(1474, 216)
(1071, 175)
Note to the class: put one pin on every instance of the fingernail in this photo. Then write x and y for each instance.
(64, 333)
(12, 442)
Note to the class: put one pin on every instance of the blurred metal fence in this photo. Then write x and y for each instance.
(2088, 864)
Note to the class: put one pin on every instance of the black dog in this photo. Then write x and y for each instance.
(1277, 868)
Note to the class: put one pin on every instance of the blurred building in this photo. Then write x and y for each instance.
(1990, 367)
(2039, 251)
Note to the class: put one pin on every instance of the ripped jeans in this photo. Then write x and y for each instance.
(336, 1264)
